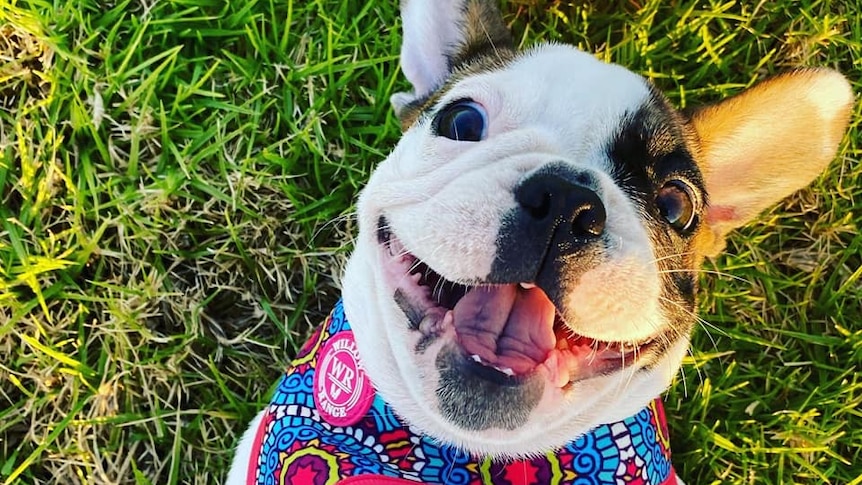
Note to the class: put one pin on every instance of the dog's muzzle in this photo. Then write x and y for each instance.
(511, 324)
(559, 219)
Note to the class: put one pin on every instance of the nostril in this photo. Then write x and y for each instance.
(535, 199)
(589, 220)
(540, 208)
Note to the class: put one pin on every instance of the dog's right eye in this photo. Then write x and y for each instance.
(463, 120)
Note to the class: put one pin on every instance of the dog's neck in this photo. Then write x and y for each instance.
(326, 420)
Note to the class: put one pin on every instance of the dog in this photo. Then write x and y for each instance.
(522, 288)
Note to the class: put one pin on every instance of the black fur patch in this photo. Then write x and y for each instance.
(651, 149)
(686, 286)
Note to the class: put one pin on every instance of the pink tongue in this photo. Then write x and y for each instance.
(506, 326)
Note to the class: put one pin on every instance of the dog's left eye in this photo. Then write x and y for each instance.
(462, 121)
(675, 203)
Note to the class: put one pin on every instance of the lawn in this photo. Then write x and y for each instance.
(176, 187)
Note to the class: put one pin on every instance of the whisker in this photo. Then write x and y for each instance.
(703, 323)
(700, 378)
(491, 41)
(705, 271)
(334, 221)
(682, 372)
(671, 256)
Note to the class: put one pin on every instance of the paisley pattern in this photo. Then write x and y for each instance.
(295, 445)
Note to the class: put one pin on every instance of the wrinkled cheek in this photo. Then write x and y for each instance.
(454, 231)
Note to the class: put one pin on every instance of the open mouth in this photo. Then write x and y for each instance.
(506, 332)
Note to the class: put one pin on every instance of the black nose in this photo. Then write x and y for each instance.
(555, 203)
(556, 229)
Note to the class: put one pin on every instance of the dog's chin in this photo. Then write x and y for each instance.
(498, 370)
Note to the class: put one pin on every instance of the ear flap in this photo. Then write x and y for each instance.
(767, 142)
(440, 35)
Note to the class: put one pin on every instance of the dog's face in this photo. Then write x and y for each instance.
(526, 265)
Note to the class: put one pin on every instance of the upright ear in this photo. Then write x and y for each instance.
(762, 145)
(439, 36)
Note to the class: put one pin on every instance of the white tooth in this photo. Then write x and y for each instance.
(507, 370)
(448, 318)
(395, 246)
(476, 358)
(527, 286)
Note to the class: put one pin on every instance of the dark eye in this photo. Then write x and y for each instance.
(676, 205)
(462, 121)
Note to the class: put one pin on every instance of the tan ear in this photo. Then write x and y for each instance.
(762, 145)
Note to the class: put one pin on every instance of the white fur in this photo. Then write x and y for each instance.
(433, 32)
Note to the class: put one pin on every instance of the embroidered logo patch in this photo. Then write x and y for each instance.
(342, 391)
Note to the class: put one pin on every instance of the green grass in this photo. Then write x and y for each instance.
(176, 181)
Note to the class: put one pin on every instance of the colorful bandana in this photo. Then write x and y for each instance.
(325, 425)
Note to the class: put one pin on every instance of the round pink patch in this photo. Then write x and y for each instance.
(342, 391)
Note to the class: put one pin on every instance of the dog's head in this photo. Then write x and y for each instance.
(526, 265)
